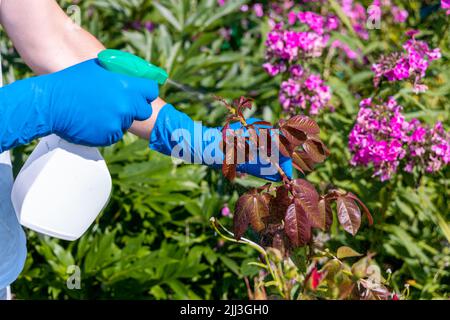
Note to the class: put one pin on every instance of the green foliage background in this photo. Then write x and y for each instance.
(153, 241)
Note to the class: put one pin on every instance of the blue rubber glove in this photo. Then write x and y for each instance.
(84, 104)
(178, 135)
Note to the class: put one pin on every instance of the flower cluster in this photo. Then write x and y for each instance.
(357, 16)
(302, 89)
(305, 36)
(410, 64)
(285, 46)
(382, 137)
(305, 91)
(317, 23)
(313, 40)
(399, 15)
(378, 137)
(428, 148)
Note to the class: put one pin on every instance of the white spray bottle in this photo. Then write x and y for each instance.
(63, 187)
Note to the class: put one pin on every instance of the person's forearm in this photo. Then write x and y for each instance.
(49, 41)
(144, 129)
(45, 37)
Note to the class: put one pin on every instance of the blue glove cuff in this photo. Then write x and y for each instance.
(176, 134)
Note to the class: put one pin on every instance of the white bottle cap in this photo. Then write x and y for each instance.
(61, 189)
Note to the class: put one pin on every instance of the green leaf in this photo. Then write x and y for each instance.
(444, 225)
(231, 264)
(158, 292)
(231, 7)
(347, 252)
(166, 13)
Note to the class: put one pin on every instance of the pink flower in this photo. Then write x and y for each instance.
(365, 102)
(291, 87)
(332, 23)
(292, 17)
(273, 70)
(409, 167)
(382, 138)
(225, 211)
(313, 20)
(244, 8)
(400, 15)
(258, 10)
(434, 54)
(306, 92)
(401, 70)
(296, 71)
(284, 47)
(412, 33)
(411, 64)
(313, 82)
(445, 4)
(418, 88)
(418, 134)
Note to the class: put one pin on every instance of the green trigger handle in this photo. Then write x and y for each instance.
(131, 65)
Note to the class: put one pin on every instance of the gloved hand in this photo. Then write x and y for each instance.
(178, 135)
(83, 104)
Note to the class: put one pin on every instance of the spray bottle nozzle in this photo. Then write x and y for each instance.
(131, 65)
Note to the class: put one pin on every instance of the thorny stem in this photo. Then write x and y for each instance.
(283, 175)
(243, 121)
(214, 223)
(328, 253)
(281, 172)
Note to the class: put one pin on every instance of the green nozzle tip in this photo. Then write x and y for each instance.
(131, 65)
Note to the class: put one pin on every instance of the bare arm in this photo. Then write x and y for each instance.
(48, 41)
